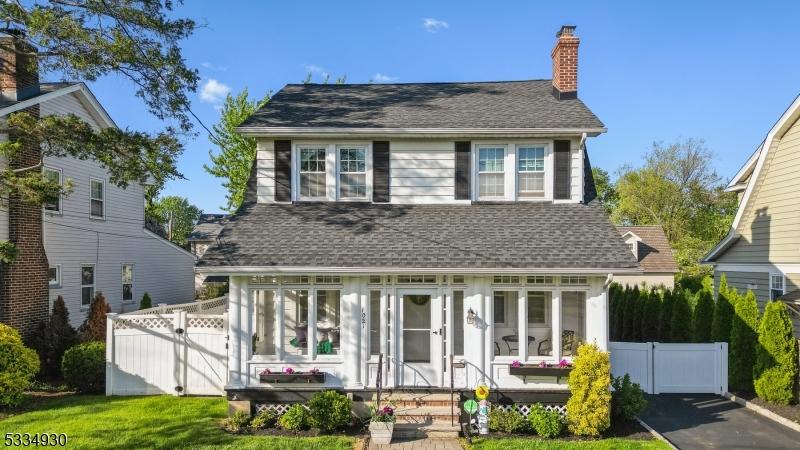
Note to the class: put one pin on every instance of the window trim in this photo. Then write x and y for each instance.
(476, 169)
(300, 149)
(367, 173)
(60, 210)
(132, 283)
(511, 185)
(105, 196)
(57, 283)
(93, 285)
(773, 276)
(517, 172)
(331, 170)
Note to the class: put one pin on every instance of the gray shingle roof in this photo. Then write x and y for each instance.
(481, 235)
(208, 227)
(655, 253)
(503, 104)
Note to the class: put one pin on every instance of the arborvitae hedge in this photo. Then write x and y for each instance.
(703, 316)
(681, 322)
(665, 317)
(613, 307)
(723, 314)
(638, 313)
(650, 318)
(629, 314)
(744, 338)
(775, 370)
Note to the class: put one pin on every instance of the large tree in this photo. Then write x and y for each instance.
(606, 191)
(177, 216)
(678, 189)
(236, 152)
(86, 40)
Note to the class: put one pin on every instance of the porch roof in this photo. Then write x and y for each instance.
(467, 236)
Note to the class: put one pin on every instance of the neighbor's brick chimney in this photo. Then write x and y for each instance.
(565, 63)
(19, 69)
(24, 289)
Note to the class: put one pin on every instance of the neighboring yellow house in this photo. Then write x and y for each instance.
(762, 249)
(650, 246)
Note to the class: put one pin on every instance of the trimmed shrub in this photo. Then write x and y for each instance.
(506, 421)
(18, 365)
(547, 424)
(744, 338)
(723, 314)
(589, 405)
(613, 309)
(640, 304)
(775, 370)
(627, 400)
(652, 310)
(294, 419)
(619, 312)
(330, 411)
(264, 419)
(665, 317)
(54, 336)
(703, 316)
(84, 367)
(146, 302)
(629, 314)
(94, 327)
(237, 422)
(681, 323)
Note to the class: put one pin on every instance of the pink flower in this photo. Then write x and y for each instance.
(516, 363)
(314, 371)
(563, 363)
(265, 372)
(288, 371)
(542, 364)
(387, 410)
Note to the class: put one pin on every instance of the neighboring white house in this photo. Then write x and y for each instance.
(415, 223)
(95, 238)
(204, 234)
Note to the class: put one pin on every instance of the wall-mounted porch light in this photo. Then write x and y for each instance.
(471, 317)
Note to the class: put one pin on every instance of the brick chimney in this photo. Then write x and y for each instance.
(565, 64)
(19, 71)
(24, 289)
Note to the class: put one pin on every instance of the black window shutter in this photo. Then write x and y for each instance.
(283, 171)
(462, 171)
(380, 171)
(561, 178)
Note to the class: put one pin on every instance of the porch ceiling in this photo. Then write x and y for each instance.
(477, 236)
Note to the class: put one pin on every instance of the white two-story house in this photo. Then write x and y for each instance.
(95, 238)
(443, 229)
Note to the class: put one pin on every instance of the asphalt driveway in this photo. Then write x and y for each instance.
(700, 421)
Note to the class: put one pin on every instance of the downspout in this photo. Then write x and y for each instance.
(582, 145)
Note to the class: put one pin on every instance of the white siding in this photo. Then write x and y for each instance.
(422, 171)
(576, 171)
(265, 175)
(71, 238)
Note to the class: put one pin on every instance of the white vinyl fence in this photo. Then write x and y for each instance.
(173, 353)
(672, 368)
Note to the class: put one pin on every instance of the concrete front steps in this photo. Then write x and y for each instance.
(424, 414)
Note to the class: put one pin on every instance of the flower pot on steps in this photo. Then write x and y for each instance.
(381, 432)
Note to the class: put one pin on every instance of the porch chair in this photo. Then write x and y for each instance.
(567, 344)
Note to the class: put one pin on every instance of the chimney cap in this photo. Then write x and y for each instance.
(566, 30)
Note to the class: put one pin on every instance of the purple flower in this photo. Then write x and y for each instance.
(542, 364)
(288, 371)
(314, 371)
(265, 372)
(516, 363)
(387, 411)
(563, 363)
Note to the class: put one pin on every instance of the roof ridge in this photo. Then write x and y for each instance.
(420, 82)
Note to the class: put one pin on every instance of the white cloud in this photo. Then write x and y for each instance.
(434, 25)
(314, 68)
(383, 78)
(214, 92)
(211, 66)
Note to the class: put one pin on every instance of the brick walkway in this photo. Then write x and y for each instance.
(419, 444)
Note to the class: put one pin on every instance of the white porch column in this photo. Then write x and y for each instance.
(351, 344)
(555, 320)
(247, 327)
(522, 323)
(487, 315)
(235, 333)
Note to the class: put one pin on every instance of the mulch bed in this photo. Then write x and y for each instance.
(354, 431)
(619, 429)
(791, 412)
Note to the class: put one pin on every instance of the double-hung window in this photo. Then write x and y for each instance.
(530, 171)
(53, 176)
(127, 282)
(313, 179)
(97, 196)
(55, 276)
(352, 172)
(491, 172)
(87, 284)
(777, 286)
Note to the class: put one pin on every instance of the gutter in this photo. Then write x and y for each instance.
(258, 270)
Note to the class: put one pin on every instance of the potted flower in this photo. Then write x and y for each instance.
(381, 425)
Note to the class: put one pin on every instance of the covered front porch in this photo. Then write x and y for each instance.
(418, 330)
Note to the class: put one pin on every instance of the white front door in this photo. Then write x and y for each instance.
(420, 337)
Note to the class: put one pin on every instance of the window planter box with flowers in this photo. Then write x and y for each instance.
(289, 375)
(381, 425)
(543, 369)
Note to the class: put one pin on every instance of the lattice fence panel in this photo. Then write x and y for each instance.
(278, 408)
(142, 322)
(205, 322)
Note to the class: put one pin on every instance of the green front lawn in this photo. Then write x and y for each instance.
(149, 422)
(535, 444)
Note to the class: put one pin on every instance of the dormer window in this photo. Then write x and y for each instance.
(352, 172)
(530, 172)
(312, 173)
(331, 172)
(491, 172)
(513, 171)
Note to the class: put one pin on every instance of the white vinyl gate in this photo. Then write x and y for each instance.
(672, 368)
(176, 353)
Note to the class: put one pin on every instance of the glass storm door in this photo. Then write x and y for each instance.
(420, 339)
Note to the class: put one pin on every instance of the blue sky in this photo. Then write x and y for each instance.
(652, 71)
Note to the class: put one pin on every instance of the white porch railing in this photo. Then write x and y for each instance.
(212, 306)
